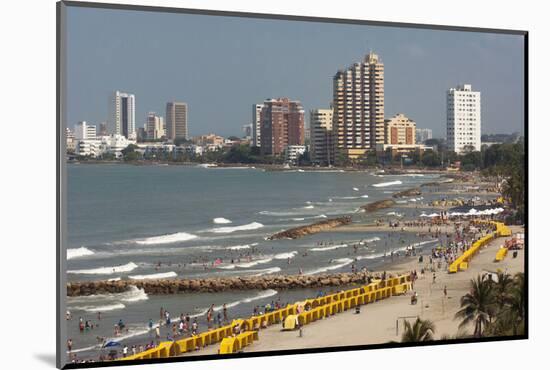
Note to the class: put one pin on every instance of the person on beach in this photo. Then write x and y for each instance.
(99, 316)
(195, 327)
(162, 313)
(225, 319)
(150, 324)
(125, 351)
(445, 291)
(68, 315)
(69, 345)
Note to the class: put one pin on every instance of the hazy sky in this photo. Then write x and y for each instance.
(220, 66)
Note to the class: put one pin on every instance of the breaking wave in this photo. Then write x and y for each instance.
(341, 263)
(78, 252)
(106, 270)
(221, 220)
(168, 238)
(161, 275)
(230, 229)
(390, 183)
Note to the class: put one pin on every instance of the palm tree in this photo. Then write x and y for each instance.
(420, 331)
(477, 306)
(502, 288)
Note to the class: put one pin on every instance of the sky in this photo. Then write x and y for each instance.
(222, 65)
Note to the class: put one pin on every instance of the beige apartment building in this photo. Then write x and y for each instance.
(176, 121)
(358, 103)
(320, 125)
(400, 130)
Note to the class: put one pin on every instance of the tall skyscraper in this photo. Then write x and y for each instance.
(463, 119)
(400, 130)
(155, 126)
(358, 102)
(256, 124)
(176, 121)
(423, 134)
(122, 120)
(84, 131)
(282, 124)
(320, 125)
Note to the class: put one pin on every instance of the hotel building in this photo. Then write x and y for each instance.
(320, 123)
(463, 119)
(154, 126)
(282, 124)
(358, 103)
(256, 124)
(176, 121)
(123, 115)
(400, 130)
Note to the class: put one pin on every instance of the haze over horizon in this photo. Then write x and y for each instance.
(221, 66)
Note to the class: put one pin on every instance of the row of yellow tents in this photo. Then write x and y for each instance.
(462, 262)
(302, 313)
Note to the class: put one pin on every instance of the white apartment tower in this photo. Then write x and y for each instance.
(122, 116)
(463, 119)
(84, 131)
(154, 126)
(256, 124)
(320, 125)
(358, 103)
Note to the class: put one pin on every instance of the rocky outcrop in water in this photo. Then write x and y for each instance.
(298, 232)
(407, 193)
(210, 285)
(381, 204)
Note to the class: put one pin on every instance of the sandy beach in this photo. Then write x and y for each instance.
(378, 322)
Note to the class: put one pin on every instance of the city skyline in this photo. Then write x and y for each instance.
(430, 61)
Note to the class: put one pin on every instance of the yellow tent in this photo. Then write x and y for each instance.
(290, 322)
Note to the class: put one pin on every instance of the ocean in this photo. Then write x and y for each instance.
(159, 221)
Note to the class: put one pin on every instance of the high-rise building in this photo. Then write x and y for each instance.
(122, 120)
(320, 125)
(155, 126)
(103, 131)
(400, 130)
(463, 119)
(423, 134)
(256, 124)
(282, 124)
(84, 131)
(247, 131)
(176, 121)
(358, 103)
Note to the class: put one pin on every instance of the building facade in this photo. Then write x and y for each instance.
(155, 127)
(423, 134)
(293, 152)
(358, 103)
(256, 124)
(320, 124)
(176, 121)
(282, 124)
(463, 119)
(122, 119)
(400, 130)
(84, 131)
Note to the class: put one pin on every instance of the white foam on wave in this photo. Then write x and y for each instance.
(78, 252)
(355, 189)
(230, 229)
(341, 263)
(267, 271)
(133, 294)
(284, 256)
(110, 307)
(364, 196)
(221, 220)
(298, 219)
(105, 270)
(394, 214)
(309, 207)
(168, 238)
(246, 264)
(390, 183)
(346, 198)
(160, 275)
(261, 295)
(238, 247)
(328, 248)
